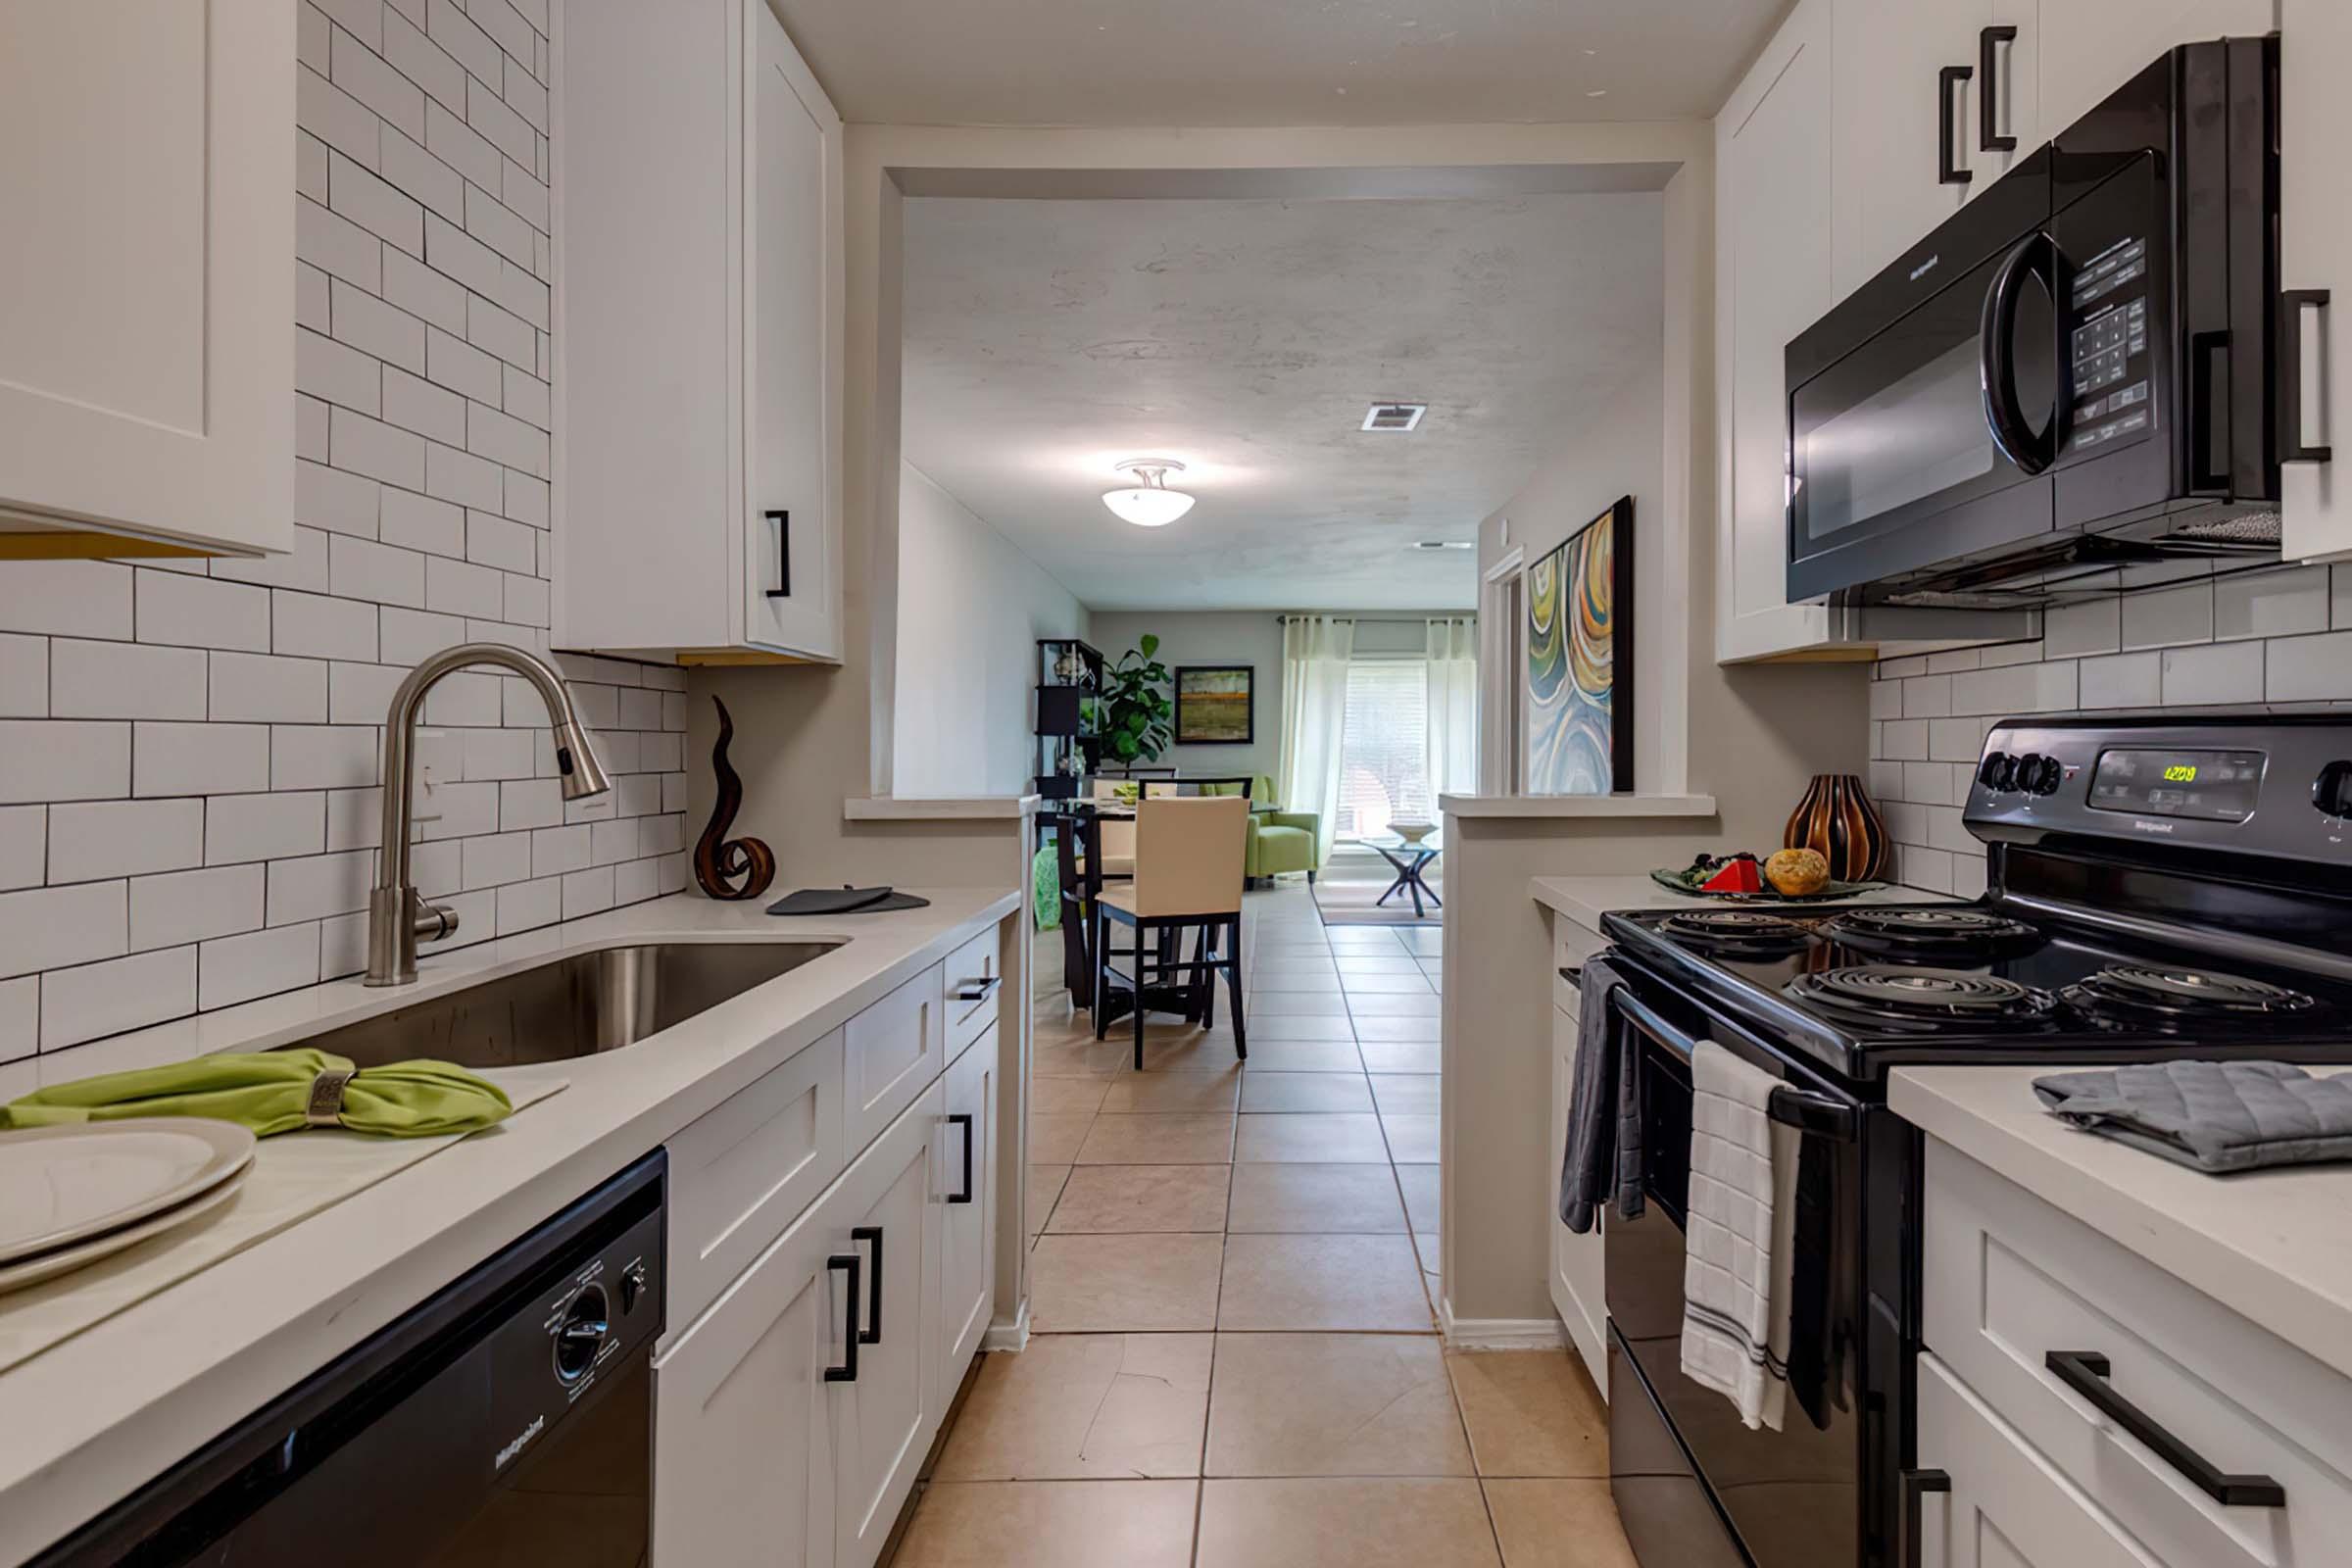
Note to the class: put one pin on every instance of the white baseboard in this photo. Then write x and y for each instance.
(1002, 1335)
(1499, 1332)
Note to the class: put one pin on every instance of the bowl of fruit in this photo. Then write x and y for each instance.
(1786, 875)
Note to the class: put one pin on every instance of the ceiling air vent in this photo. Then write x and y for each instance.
(1394, 415)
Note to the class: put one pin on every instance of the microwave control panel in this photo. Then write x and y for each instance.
(2110, 346)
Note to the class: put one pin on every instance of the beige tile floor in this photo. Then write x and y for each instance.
(1235, 1362)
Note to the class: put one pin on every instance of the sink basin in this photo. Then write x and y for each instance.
(568, 1008)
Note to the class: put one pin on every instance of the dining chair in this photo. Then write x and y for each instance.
(1187, 877)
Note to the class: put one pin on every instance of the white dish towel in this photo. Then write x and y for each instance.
(1737, 1236)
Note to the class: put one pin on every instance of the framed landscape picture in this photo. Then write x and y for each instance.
(1580, 661)
(1212, 705)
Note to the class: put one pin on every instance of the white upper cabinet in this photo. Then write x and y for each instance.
(2315, 236)
(699, 359)
(1774, 171)
(1906, 95)
(2089, 48)
(147, 278)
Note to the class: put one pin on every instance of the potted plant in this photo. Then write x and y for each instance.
(1137, 713)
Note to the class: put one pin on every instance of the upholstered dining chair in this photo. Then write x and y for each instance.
(1187, 877)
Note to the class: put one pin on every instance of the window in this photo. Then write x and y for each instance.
(1383, 755)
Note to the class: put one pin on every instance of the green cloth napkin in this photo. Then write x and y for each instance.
(270, 1092)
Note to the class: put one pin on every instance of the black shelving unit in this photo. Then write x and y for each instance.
(1069, 681)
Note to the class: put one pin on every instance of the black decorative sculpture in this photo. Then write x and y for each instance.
(718, 859)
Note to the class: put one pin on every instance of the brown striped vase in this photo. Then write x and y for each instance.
(1837, 818)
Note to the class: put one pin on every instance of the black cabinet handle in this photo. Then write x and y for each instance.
(783, 523)
(978, 990)
(848, 1263)
(872, 1334)
(1574, 975)
(1988, 113)
(1947, 153)
(2292, 303)
(1917, 1484)
(2086, 1373)
(963, 1119)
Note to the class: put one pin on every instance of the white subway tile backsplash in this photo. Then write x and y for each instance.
(239, 968)
(322, 756)
(2095, 626)
(263, 827)
(64, 759)
(2305, 669)
(24, 676)
(188, 749)
(266, 688)
(2270, 604)
(124, 680)
(106, 999)
(66, 598)
(201, 612)
(2214, 673)
(1927, 696)
(91, 841)
(2168, 617)
(23, 847)
(48, 928)
(2125, 680)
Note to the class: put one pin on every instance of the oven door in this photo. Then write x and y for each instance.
(1931, 439)
(1792, 1498)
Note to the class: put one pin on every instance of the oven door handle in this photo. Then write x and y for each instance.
(1815, 1115)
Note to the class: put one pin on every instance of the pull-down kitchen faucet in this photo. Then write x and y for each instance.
(396, 916)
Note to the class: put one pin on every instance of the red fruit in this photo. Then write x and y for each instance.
(1737, 877)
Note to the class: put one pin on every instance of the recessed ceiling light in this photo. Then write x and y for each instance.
(1446, 544)
(1597, 92)
(1149, 503)
(1394, 415)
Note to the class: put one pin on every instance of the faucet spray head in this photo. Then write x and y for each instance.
(576, 761)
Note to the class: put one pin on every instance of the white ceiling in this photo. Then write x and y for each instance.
(1276, 62)
(1046, 340)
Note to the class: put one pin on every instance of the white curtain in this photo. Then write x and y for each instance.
(1315, 650)
(1453, 707)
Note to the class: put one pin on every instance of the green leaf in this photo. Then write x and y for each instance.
(1148, 646)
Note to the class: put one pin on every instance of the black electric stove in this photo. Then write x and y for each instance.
(2156, 889)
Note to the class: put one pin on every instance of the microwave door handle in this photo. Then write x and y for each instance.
(2033, 256)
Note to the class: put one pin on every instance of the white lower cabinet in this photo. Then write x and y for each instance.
(1578, 1278)
(743, 1431)
(2007, 1507)
(967, 1204)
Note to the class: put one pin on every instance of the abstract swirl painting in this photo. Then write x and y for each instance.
(1579, 601)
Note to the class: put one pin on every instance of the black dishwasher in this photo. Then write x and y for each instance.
(508, 1420)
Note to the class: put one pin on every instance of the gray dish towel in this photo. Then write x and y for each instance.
(1603, 1156)
(2213, 1117)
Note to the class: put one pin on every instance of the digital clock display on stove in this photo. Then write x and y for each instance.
(2217, 786)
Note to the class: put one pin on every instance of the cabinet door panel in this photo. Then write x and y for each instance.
(967, 1246)
(1891, 58)
(743, 1447)
(882, 1422)
(788, 152)
(146, 335)
(2315, 236)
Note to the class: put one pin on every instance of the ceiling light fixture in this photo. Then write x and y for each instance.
(1397, 416)
(1446, 544)
(1149, 503)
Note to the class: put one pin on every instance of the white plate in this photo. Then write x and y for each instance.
(62, 1186)
(64, 1259)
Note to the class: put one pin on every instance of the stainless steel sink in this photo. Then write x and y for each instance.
(568, 1008)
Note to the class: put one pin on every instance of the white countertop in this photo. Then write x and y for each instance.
(1585, 898)
(93, 1418)
(2274, 1247)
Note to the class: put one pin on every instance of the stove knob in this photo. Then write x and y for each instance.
(2331, 791)
(2047, 776)
(1998, 771)
(2028, 768)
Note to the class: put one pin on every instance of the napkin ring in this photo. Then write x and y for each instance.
(325, 1109)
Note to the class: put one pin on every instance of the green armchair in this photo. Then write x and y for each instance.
(1277, 840)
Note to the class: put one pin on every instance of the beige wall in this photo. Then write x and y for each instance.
(1753, 733)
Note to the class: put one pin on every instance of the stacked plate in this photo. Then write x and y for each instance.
(70, 1196)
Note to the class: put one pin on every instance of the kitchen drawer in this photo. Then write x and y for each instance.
(2010, 1279)
(974, 982)
(890, 1051)
(1571, 945)
(2007, 1507)
(741, 1174)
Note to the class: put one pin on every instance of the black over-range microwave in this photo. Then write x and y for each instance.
(2086, 378)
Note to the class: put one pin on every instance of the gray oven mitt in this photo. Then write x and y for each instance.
(2212, 1116)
